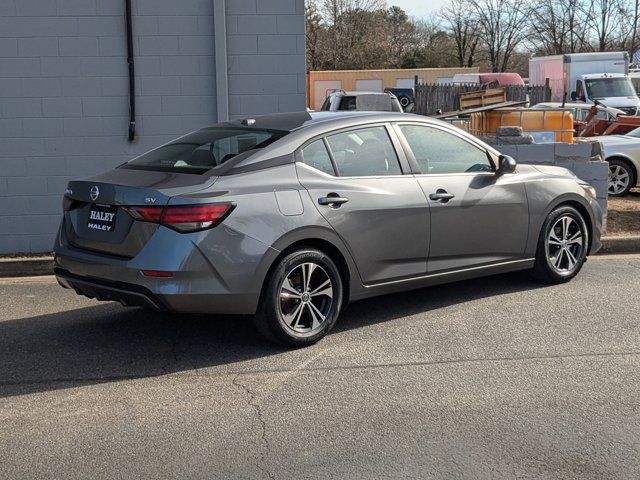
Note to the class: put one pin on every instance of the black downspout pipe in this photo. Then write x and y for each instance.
(132, 77)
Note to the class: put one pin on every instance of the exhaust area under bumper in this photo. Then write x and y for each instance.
(127, 294)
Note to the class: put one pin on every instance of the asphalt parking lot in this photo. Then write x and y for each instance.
(493, 378)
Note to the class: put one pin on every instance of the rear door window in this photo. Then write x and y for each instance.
(205, 149)
(364, 152)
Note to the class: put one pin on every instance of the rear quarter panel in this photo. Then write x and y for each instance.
(273, 209)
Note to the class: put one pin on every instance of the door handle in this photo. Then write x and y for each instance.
(441, 195)
(333, 200)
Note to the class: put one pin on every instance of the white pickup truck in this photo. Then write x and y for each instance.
(361, 101)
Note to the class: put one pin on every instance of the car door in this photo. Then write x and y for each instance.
(477, 217)
(356, 182)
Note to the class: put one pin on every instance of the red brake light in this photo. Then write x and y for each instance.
(191, 218)
(146, 214)
(184, 218)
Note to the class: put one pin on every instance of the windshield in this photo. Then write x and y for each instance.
(635, 133)
(205, 149)
(609, 87)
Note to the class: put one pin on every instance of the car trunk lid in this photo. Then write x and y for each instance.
(97, 219)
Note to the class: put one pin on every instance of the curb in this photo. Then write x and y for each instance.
(611, 245)
(34, 266)
(26, 267)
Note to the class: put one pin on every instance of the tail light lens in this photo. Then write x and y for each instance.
(184, 218)
(146, 214)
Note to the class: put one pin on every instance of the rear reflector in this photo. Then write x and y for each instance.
(156, 273)
(183, 218)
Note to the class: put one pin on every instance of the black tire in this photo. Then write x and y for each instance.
(271, 317)
(544, 268)
(621, 165)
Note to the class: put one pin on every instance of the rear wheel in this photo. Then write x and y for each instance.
(302, 299)
(622, 177)
(562, 246)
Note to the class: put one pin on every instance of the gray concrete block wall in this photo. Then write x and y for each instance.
(64, 89)
(266, 57)
(583, 159)
(64, 97)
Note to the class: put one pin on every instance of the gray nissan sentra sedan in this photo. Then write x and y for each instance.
(291, 216)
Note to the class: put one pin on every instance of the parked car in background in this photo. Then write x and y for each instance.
(362, 102)
(292, 216)
(623, 154)
(406, 96)
(502, 78)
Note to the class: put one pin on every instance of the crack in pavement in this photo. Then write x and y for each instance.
(172, 343)
(203, 374)
(263, 425)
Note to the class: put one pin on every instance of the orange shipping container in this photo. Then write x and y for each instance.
(545, 125)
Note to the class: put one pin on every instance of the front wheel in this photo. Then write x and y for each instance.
(562, 246)
(302, 299)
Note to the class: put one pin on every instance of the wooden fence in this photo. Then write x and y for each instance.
(430, 98)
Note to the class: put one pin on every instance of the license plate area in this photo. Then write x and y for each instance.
(102, 218)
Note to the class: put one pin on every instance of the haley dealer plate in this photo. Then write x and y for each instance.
(102, 217)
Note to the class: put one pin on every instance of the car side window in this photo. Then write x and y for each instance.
(438, 151)
(348, 103)
(364, 152)
(315, 155)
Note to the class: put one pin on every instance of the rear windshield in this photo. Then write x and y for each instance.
(205, 149)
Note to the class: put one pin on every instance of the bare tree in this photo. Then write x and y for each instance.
(463, 27)
(633, 44)
(315, 31)
(501, 27)
(604, 20)
(402, 36)
(558, 27)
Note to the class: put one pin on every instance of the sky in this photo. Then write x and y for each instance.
(418, 8)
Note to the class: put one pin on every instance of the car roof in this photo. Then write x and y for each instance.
(296, 120)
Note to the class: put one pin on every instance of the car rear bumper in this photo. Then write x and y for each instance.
(127, 294)
(203, 280)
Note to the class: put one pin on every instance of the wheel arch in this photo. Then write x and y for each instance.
(580, 205)
(320, 239)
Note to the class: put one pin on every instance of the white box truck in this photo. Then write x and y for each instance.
(587, 77)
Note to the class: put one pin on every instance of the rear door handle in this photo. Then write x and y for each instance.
(441, 195)
(333, 200)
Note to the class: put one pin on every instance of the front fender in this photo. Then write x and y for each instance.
(543, 199)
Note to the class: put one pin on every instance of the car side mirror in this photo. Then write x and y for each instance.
(574, 96)
(506, 164)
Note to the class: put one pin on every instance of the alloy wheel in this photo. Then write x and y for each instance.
(306, 298)
(565, 244)
(619, 179)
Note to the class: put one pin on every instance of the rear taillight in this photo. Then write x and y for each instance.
(146, 214)
(183, 218)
